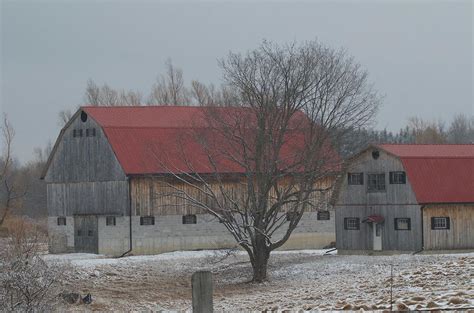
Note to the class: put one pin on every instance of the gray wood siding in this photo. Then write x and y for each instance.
(82, 159)
(398, 201)
(403, 240)
(65, 199)
(357, 194)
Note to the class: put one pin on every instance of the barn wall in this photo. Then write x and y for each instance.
(394, 240)
(60, 237)
(106, 197)
(461, 232)
(398, 201)
(170, 234)
(83, 177)
(154, 196)
(83, 159)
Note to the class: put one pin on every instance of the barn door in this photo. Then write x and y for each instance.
(86, 238)
(377, 235)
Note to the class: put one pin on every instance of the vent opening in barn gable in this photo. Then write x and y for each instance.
(83, 116)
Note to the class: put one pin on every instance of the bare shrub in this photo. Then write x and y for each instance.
(27, 282)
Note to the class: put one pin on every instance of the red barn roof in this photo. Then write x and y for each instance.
(162, 139)
(438, 173)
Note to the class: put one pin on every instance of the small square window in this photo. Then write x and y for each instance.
(147, 220)
(376, 182)
(402, 223)
(189, 219)
(61, 221)
(351, 223)
(110, 221)
(77, 132)
(440, 223)
(355, 178)
(90, 132)
(324, 216)
(398, 178)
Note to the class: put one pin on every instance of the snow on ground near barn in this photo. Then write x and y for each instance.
(304, 280)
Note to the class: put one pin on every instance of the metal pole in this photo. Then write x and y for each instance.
(391, 286)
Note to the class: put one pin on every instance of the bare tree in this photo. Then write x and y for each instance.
(64, 116)
(107, 96)
(130, 98)
(298, 100)
(425, 132)
(169, 89)
(11, 189)
(461, 130)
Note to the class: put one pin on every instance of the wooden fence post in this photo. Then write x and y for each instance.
(201, 283)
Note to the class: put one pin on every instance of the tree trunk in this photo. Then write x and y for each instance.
(259, 263)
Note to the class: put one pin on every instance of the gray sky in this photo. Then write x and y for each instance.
(418, 53)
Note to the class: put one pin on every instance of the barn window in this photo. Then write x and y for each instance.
(376, 182)
(398, 178)
(189, 219)
(147, 220)
(291, 216)
(440, 223)
(61, 221)
(90, 132)
(77, 132)
(375, 154)
(351, 223)
(110, 221)
(323, 216)
(402, 223)
(355, 178)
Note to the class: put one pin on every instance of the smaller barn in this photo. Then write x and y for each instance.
(406, 198)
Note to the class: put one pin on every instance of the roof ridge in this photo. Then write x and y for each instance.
(436, 157)
(425, 144)
(151, 106)
(159, 127)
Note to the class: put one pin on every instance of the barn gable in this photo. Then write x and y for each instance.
(365, 163)
(82, 153)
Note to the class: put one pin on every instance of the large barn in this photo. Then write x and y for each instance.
(407, 198)
(107, 193)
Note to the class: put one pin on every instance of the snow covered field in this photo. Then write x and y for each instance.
(299, 280)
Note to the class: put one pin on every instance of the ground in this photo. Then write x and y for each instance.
(298, 280)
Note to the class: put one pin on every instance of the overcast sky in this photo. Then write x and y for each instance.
(419, 54)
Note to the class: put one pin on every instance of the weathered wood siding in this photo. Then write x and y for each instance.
(362, 239)
(65, 199)
(398, 201)
(84, 176)
(461, 232)
(357, 194)
(153, 196)
(83, 159)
